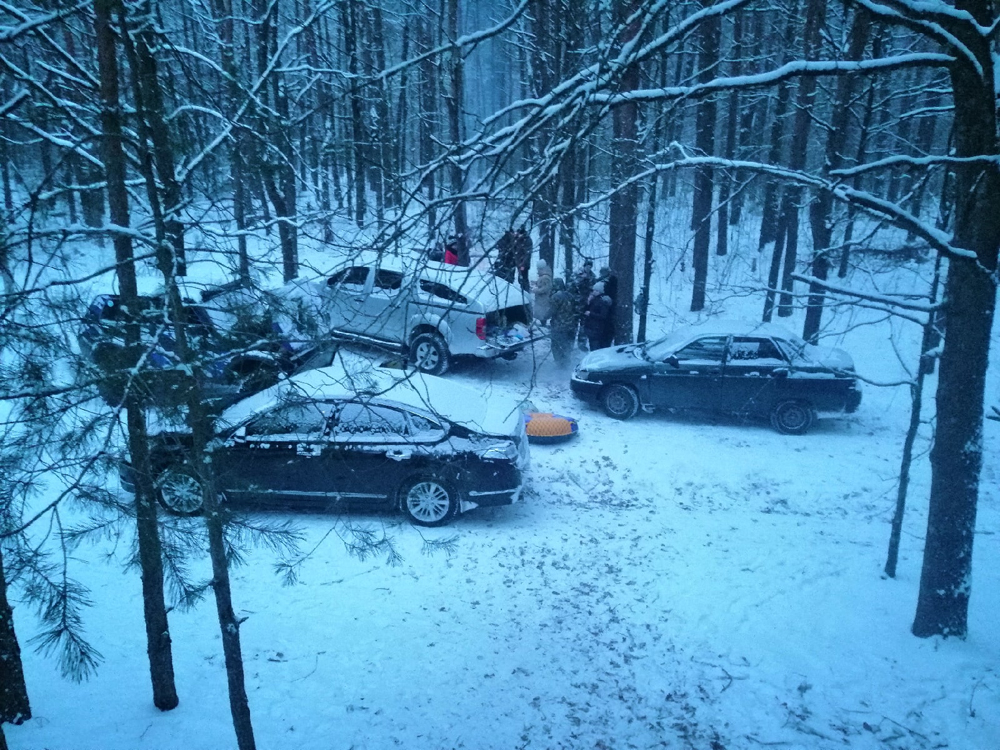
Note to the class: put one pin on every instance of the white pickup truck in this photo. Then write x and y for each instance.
(430, 311)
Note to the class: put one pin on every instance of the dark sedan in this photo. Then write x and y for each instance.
(380, 439)
(750, 369)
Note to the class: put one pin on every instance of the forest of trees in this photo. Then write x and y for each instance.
(157, 133)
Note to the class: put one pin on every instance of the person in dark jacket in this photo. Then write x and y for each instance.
(506, 265)
(597, 318)
(563, 321)
(580, 288)
(522, 255)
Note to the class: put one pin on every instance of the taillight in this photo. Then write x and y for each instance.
(481, 328)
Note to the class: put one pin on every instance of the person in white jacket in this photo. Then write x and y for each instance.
(542, 289)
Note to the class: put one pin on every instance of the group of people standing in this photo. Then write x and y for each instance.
(581, 311)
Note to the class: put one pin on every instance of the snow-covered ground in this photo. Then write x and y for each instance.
(667, 582)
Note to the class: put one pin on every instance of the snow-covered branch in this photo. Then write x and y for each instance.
(792, 69)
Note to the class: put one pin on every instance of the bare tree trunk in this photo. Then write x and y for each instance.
(821, 209)
(804, 103)
(348, 11)
(427, 126)
(14, 705)
(402, 124)
(455, 102)
(150, 556)
(726, 178)
(770, 224)
(624, 207)
(916, 405)
(701, 209)
(970, 291)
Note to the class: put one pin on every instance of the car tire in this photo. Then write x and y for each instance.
(792, 417)
(428, 501)
(429, 353)
(620, 401)
(180, 493)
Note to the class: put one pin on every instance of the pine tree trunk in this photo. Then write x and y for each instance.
(150, 559)
(14, 705)
(229, 625)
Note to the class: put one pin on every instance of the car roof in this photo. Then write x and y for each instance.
(349, 379)
(469, 281)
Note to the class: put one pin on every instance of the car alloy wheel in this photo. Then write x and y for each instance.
(428, 502)
(429, 353)
(792, 417)
(180, 492)
(620, 401)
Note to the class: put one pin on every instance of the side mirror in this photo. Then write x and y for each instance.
(673, 361)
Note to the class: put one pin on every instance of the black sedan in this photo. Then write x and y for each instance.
(750, 369)
(378, 439)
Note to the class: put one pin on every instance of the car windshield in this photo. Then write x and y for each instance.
(659, 350)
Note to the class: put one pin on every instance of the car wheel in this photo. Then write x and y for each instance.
(180, 492)
(429, 353)
(792, 417)
(620, 401)
(428, 501)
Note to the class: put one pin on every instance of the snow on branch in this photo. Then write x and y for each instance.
(792, 69)
(27, 25)
(888, 300)
(916, 161)
(920, 17)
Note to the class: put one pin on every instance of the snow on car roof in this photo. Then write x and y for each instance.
(351, 377)
(469, 281)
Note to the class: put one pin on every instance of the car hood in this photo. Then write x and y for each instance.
(612, 358)
(358, 377)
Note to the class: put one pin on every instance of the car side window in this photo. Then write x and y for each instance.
(750, 350)
(441, 292)
(707, 349)
(422, 428)
(369, 422)
(388, 281)
(354, 276)
(303, 419)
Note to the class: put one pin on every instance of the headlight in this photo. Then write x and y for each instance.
(499, 452)
(582, 375)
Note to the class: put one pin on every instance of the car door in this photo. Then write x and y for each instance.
(690, 377)
(385, 307)
(346, 292)
(374, 447)
(752, 374)
(277, 456)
